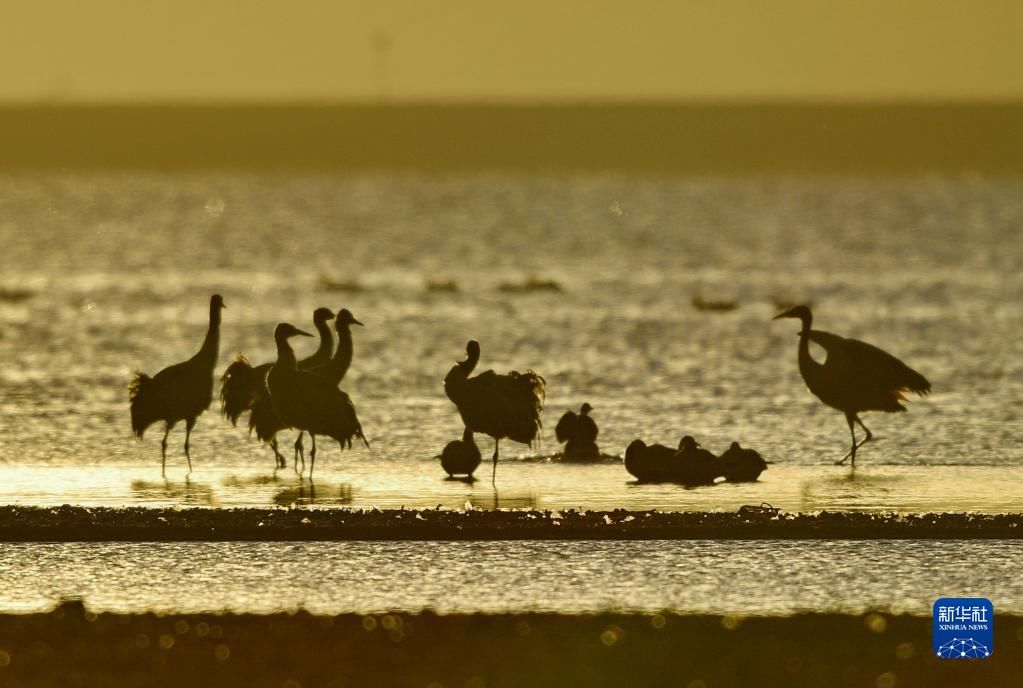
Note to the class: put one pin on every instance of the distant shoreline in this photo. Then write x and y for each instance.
(135, 524)
(723, 138)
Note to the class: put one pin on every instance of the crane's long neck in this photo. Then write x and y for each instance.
(326, 341)
(342, 360)
(285, 354)
(211, 345)
(454, 383)
(807, 366)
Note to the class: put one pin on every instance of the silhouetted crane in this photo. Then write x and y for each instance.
(243, 384)
(856, 376)
(579, 433)
(496, 405)
(337, 366)
(263, 419)
(180, 392)
(305, 401)
(740, 465)
(242, 381)
(461, 456)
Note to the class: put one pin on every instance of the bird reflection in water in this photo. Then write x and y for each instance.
(187, 492)
(494, 500)
(308, 493)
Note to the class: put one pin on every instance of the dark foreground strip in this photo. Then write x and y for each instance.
(33, 524)
(73, 647)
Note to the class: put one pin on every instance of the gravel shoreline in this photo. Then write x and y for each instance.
(104, 524)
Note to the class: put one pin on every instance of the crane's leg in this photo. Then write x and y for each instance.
(312, 457)
(853, 418)
(865, 439)
(163, 451)
(493, 477)
(278, 457)
(300, 449)
(189, 424)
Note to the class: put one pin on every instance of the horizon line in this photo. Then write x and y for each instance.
(482, 103)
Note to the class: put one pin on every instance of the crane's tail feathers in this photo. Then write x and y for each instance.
(143, 413)
(238, 389)
(915, 382)
(264, 420)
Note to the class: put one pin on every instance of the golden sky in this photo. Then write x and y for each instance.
(525, 50)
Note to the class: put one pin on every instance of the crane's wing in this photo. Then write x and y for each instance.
(329, 410)
(894, 373)
(241, 387)
(510, 404)
(866, 363)
(566, 426)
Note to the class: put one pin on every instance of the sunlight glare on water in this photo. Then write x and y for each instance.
(694, 576)
(119, 269)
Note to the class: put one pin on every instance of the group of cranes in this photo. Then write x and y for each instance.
(280, 394)
(305, 396)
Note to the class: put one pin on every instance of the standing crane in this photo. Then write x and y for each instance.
(497, 405)
(243, 384)
(264, 420)
(308, 402)
(179, 392)
(856, 376)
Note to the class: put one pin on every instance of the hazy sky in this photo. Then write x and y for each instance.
(131, 50)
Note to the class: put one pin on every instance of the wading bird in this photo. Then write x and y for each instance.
(263, 419)
(305, 401)
(461, 456)
(579, 433)
(856, 376)
(242, 385)
(496, 405)
(242, 382)
(180, 392)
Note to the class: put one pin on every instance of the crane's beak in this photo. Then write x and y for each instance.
(356, 322)
(303, 333)
(781, 315)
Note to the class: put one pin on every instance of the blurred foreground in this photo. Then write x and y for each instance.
(70, 646)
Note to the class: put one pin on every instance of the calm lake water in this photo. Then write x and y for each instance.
(739, 577)
(103, 274)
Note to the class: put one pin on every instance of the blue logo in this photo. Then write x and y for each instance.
(964, 628)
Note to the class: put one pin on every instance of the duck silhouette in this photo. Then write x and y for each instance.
(461, 457)
(740, 465)
(579, 433)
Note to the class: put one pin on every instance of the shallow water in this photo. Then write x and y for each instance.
(118, 270)
(535, 484)
(739, 577)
